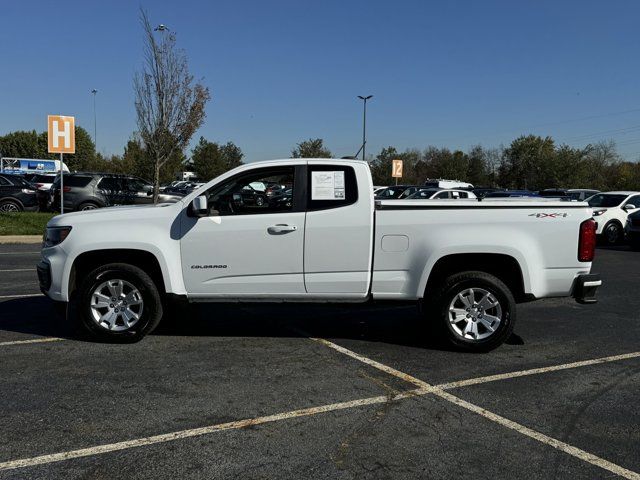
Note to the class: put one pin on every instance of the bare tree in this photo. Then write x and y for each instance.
(169, 107)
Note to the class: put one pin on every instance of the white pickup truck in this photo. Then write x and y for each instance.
(310, 231)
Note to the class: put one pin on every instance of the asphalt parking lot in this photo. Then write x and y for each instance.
(306, 391)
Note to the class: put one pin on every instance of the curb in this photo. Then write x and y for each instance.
(20, 239)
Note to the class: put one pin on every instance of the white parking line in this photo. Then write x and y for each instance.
(541, 437)
(424, 388)
(195, 432)
(32, 340)
(22, 296)
(535, 371)
(552, 442)
(19, 270)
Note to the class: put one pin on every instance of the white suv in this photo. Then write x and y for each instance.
(610, 210)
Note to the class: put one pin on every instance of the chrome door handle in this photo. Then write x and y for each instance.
(281, 228)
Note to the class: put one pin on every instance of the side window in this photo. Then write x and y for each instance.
(635, 201)
(111, 184)
(263, 191)
(442, 195)
(331, 186)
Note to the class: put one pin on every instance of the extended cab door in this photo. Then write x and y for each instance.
(247, 248)
(339, 229)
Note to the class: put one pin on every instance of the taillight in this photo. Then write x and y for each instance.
(66, 189)
(587, 241)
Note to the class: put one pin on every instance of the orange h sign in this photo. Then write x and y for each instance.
(61, 134)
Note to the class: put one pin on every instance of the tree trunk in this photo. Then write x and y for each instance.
(156, 181)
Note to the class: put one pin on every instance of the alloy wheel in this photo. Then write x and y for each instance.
(475, 314)
(116, 305)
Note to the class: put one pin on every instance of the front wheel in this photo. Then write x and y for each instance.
(612, 233)
(8, 206)
(475, 311)
(118, 303)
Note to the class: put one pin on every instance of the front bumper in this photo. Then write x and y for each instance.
(44, 276)
(585, 287)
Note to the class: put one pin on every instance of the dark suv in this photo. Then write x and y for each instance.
(16, 194)
(87, 191)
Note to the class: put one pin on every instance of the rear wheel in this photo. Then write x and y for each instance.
(87, 206)
(118, 303)
(612, 233)
(9, 206)
(475, 311)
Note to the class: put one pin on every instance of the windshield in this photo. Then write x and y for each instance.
(606, 200)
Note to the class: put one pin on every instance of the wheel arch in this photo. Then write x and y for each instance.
(14, 200)
(89, 260)
(503, 266)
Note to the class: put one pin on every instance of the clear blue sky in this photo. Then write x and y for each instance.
(446, 73)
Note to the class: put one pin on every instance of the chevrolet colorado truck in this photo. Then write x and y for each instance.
(318, 236)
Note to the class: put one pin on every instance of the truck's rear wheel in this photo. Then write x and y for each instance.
(475, 311)
(118, 303)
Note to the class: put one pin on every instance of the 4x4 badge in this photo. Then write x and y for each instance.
(548, 215)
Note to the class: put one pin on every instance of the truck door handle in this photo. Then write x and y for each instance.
(281, 228)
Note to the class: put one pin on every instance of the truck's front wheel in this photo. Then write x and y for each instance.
(118, 303)
(476, 311)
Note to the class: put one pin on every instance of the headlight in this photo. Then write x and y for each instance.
(27, 190)
(54, 236)
(598, 212)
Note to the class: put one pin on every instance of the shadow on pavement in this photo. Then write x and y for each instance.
(394, 324)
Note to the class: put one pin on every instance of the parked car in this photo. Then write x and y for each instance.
(448, 184)
(580, 194)
(610, 210)
(441, 193)
(42, 182)
(557, 193)
(481, 192)
(88, 191)
(397, 192)
(632, 230)
(16, 194)
(467, 264)
(512, 194)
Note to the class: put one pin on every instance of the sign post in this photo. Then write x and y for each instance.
(61, 138)
(396, 169)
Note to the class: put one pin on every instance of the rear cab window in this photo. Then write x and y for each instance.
(331, 186)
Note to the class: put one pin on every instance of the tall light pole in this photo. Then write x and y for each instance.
(95, 120)
(364, 122)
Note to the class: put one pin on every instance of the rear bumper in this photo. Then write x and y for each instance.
(585, 287)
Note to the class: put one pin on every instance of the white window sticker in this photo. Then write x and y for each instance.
(327, 185)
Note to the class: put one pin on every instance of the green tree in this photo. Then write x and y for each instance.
(529, 162)
(312, 148)
(209, 159)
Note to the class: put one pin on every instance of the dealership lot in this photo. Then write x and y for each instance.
(282, 391)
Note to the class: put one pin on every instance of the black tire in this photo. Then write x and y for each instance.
(439, 304)
(151, 312)
(88, 206)
(260, 201)
(612, 233)
(7, 206)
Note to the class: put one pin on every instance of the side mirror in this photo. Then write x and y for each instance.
(199, 206)
(629, 206)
